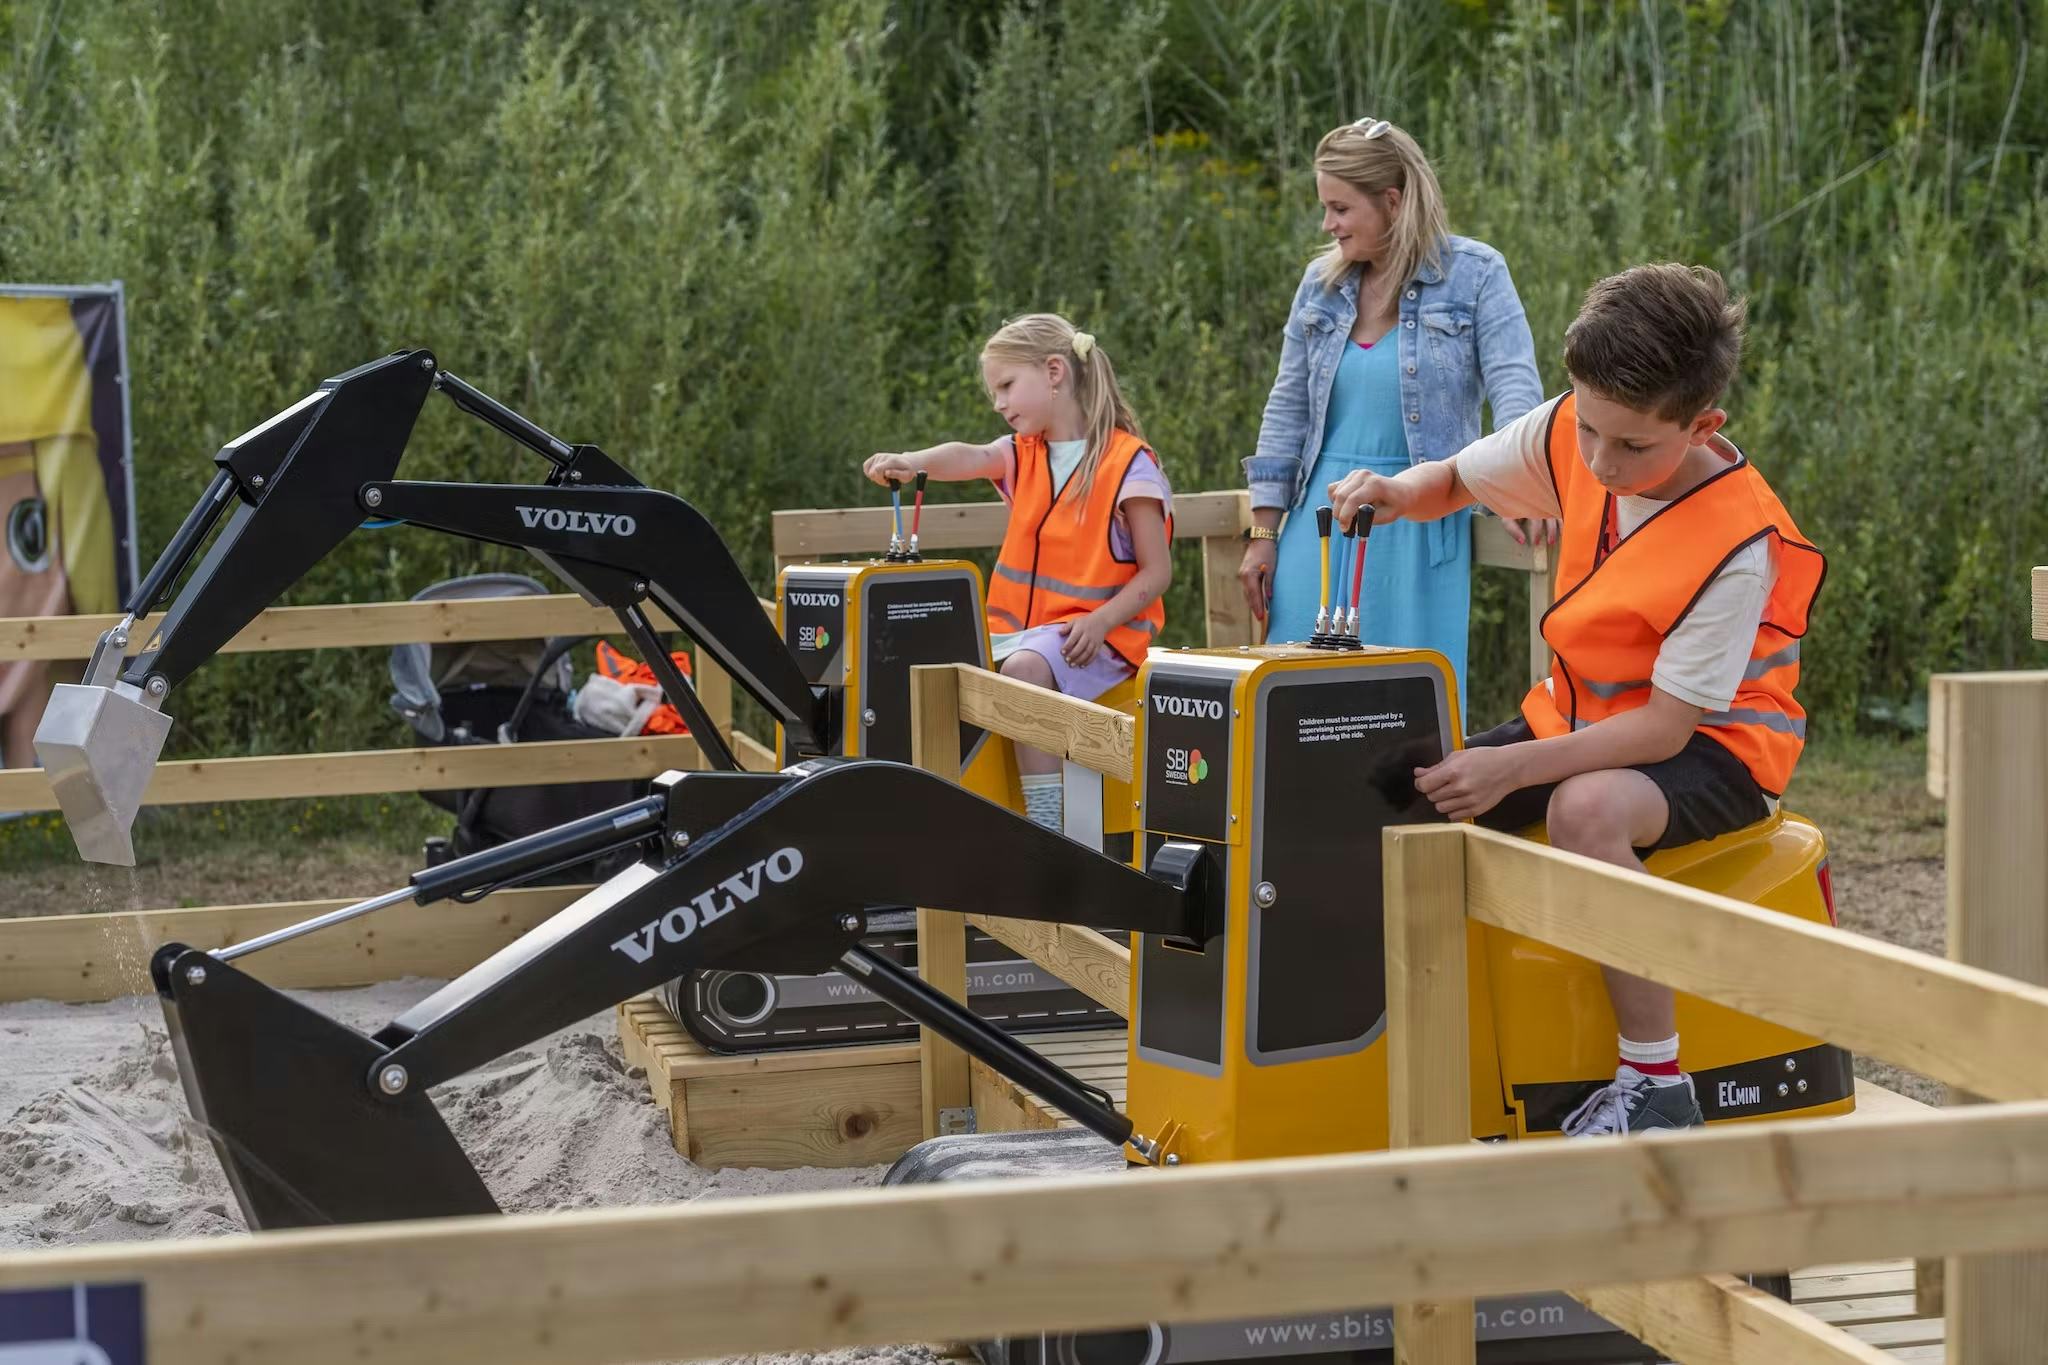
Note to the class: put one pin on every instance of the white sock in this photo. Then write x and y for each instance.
(1661, 1055)
(1045, 801)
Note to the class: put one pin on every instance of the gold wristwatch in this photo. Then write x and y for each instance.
(1260, 533)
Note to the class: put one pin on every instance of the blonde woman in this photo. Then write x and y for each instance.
(1074, 601)
(1397, 334)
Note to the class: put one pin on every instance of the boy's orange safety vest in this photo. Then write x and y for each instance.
(1614, 607)
(1056, 562)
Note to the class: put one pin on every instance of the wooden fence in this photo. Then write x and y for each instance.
(1659, 1218)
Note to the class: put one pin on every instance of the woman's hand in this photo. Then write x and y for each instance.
(883, 467)
(1085, 635)
(1255, 574)
(1531, 530)
(1389, 498)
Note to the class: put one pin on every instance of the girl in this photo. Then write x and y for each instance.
(1074, 601)
(1397, 332)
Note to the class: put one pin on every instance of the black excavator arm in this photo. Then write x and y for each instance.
(293, 489)
(317, 1123)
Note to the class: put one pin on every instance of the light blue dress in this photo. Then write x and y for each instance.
(1418, 576)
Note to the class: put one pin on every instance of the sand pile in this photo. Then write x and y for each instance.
(96, 1143)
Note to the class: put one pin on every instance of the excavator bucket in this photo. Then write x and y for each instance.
(98, 745)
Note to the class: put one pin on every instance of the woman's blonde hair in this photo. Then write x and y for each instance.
(1373, 156)
(1037, 337)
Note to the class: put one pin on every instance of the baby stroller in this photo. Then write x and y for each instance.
(502, 692)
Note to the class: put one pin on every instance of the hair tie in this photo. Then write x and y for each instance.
(1083, 344)
(1374, 127)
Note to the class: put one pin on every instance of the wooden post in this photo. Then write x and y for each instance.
(714, 690)
(2041, 601)
(941, 934)
(1229, 619)
(1429, 1097)
(1994, 751)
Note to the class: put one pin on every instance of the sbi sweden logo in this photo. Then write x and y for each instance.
(813, 637)
(1186, 767)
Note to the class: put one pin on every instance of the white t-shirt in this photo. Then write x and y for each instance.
(1703, 658)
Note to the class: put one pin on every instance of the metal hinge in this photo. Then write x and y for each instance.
(953, 1122)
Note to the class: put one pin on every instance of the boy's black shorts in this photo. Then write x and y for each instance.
(1708, 789)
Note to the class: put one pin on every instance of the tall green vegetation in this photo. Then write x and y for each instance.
(741, 246)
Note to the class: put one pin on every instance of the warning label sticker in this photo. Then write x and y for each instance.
(1335, 729)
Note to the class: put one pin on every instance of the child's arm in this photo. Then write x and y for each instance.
(948, 462)
(1424, 492)
(1146, 518)
(1472, 782)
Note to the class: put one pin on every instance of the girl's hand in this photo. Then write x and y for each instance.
(1470, 782)
(1255, 574)
(1085, 635)
(883, 467)
(1389, 498)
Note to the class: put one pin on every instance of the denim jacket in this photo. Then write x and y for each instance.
(1461, 330)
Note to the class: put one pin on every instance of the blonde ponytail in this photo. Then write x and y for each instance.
(1037, 337)
(1371, 164)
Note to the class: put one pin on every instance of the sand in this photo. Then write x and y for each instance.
(96, 1143)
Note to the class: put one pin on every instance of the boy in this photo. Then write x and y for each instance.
(1683, 590)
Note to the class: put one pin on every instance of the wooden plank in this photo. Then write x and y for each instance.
(1494, 548)
(816, 532)
(823, 1270)
(2041, 601)
(829, 1116)
(1994, 760)
(1227, 617)
(1001, 1107)
(1093, 736)
(105, 956)
(1429, 1101)
(342, 625)
(714, 690)
(1091, 962)
(754, 756)
(370, 771)
(1719, 1320)
(1895, 1279)
(1958, 1024)
(941, 934)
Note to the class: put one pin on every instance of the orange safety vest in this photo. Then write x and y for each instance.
(622, 668)
(1615, 606)
(1056, 562)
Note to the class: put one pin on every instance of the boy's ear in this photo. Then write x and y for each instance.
(1706, 424)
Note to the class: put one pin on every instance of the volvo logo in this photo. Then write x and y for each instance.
(711, 904)
(1202, 708)
(592, 523)
(813, 599)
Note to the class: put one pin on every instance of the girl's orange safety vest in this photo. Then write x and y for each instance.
(1056, 562)
(1615, 606)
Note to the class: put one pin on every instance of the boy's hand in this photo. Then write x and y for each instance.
(1470, 782)
(1390, 498)
(884, 466)
(1085, 635)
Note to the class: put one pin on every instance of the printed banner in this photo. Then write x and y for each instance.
(67, 504)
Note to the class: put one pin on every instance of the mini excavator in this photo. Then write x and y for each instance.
(1257, 1016)
(835, 675)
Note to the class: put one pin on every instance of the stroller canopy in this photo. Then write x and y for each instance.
(421, 673)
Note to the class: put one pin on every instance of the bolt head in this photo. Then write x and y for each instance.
(195, 975)
(1791, 1063)
(392, 1080)
(1173, 1158)
(850, 923)
(867, 717)
(1265, 895)
(679, 839)
(575, 476)
(1800, 1085)
(373, 497)
(1783, 1090)
(255, 481)
(639, 587)
(426, 362)
(157, 685)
